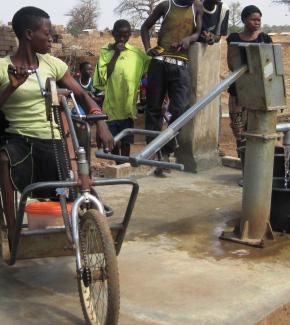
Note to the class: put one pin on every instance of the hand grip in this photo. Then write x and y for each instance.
(95, 117)
(90, 117)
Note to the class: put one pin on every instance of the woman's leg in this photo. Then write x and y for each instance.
(7, 192)
(238, 125)
(237, 118)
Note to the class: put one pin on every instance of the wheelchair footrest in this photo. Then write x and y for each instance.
(116, 228)
(51, 242)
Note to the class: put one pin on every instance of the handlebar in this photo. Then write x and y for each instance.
(90, 117)
(125, 132)
(135, 161)
(141, 158)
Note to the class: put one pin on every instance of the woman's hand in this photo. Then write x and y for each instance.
(105, 135)
(17, 75)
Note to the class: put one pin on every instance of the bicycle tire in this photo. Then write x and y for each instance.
(101, 279)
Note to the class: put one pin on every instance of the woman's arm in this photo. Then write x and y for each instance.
(82, 96)
(229, 58)
(86, 101)
(229, 51)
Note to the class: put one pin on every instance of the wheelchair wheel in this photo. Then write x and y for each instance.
(99, 283)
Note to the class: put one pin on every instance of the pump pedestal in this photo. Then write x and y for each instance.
(262, 91)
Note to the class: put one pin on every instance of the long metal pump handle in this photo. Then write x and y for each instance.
(165, 136)
(131, 159)
(179, 123)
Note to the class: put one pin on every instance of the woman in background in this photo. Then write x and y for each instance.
(251, 18)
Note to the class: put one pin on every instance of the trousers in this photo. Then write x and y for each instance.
(171, 80)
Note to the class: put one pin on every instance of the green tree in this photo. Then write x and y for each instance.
(83, 16)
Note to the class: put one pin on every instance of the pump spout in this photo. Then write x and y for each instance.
(285, 128)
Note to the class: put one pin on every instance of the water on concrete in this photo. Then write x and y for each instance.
(173, 268)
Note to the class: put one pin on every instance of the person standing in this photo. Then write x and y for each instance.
(168, 73)
(119, 71)
(215, 21)
(251, 18)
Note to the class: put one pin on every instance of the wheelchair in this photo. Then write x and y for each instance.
(85, 231)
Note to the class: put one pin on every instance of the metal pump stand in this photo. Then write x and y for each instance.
(262, 91)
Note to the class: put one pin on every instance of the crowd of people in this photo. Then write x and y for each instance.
(25, 134)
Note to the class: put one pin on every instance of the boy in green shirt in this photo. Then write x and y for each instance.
(119, 70)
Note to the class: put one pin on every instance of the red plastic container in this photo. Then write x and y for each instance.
(45, 214)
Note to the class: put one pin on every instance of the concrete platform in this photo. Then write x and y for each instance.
(173, 268)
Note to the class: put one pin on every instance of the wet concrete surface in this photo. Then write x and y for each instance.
(173, 268)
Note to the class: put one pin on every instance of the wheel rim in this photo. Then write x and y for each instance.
(96, 293)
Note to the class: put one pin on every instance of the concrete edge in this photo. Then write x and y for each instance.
(126, 170)
(232, 162)
(280, 316)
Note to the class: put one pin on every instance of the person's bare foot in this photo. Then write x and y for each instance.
(158, 172)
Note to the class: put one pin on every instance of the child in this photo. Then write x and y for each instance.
(86, 82)
(85, 77)
(119, 71)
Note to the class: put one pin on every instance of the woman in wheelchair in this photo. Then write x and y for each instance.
(27, 141)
